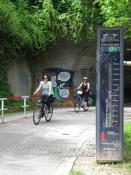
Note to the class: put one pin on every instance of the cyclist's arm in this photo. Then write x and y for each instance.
(88, 87)
(38, 89)
(79, 86)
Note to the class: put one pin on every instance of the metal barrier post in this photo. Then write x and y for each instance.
(2, 110)
(25, 106)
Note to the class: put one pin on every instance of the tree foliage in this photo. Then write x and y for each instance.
(36, 24)
(28, 27)
(117, 13)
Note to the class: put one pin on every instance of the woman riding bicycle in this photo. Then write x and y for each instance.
(85, 87)
(46, 87)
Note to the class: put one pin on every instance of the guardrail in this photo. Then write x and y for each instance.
(24, 106)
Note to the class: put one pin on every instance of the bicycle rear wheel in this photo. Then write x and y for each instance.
(37, 114)
(48, 114)
(77, 105)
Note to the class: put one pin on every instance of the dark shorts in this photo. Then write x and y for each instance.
(85, 96)
(46, 99)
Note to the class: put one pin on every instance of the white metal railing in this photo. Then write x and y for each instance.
(24, 106)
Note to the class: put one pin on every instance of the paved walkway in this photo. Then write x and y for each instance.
(20, 115)
(54, 148)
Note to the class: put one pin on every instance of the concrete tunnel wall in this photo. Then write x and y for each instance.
(80, 59)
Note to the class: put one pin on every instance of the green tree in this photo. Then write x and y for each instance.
(28, 27)
(117, 13)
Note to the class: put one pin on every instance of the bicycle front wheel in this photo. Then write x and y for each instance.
(48, 113)
(77, 105)
(37, 114)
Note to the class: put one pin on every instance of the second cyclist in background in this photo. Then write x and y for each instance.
(85, 87)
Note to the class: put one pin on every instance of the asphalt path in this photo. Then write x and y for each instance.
(50, 148)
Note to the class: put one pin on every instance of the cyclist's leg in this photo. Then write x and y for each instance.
(86, 101)
(87, 96)
(43, 103)
(82, 101)
(47, 101)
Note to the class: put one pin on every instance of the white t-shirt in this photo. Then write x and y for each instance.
(46, 88)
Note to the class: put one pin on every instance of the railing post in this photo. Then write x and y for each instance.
(2, 110)
(25, 106)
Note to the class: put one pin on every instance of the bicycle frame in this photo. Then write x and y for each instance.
(79, 97)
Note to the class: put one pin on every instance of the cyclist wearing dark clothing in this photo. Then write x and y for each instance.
(85, 86)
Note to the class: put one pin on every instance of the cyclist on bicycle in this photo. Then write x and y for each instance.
(85, 87)
(47, 91)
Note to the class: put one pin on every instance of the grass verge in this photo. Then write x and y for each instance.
(75, 173)
(127, 142)
(127, 149)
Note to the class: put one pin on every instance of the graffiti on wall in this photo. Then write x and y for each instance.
(64, 81)
(61, 80)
